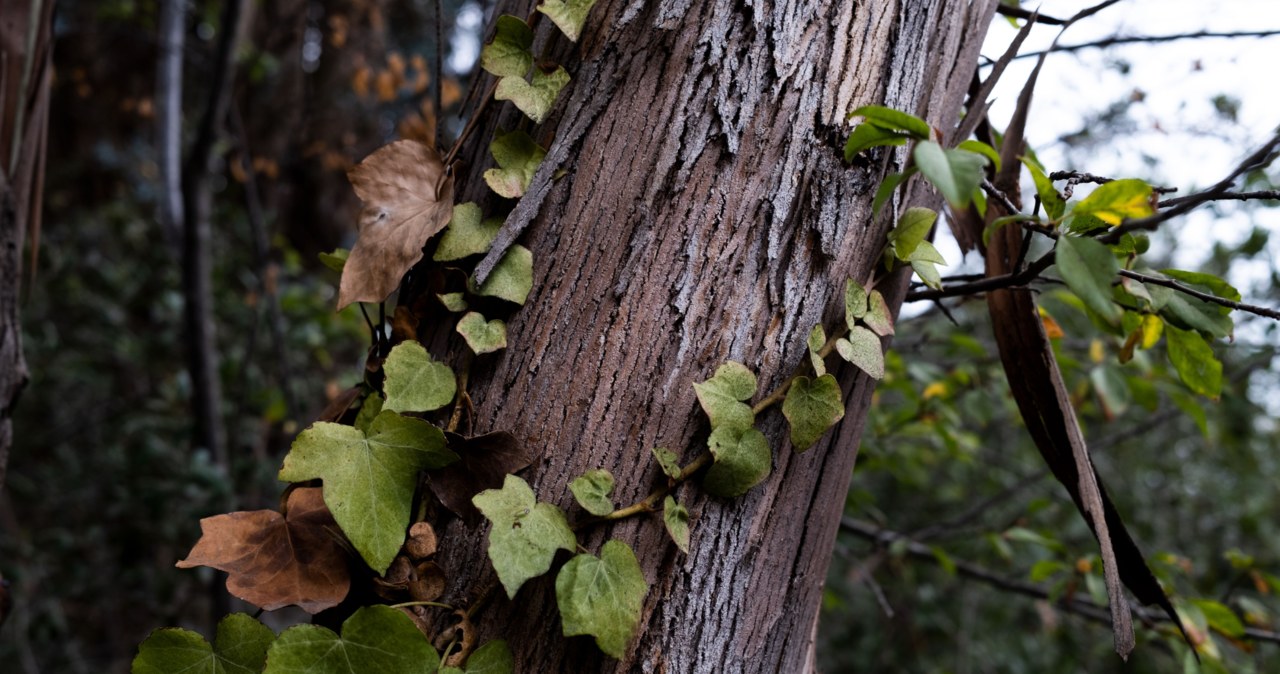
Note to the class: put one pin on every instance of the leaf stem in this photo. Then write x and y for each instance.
(433, 604)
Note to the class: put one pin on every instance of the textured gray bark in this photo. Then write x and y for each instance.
(706, 215)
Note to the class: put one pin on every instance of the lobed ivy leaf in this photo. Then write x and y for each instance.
(956, 173)
(1117, 200)
(675, 518)
(240, 647)
(817, 338)
(602, 596)
(415, 382)
(335, 260)
(862, 349)
(512, 277)
(481, 335)
(867, 136)
(897, 120)
(492, 658)
(369, 410)
(518, 157)
(525, 534)
(1088, 268)
(455, 302)
(533, 98)
(369, 479)
(1194, 361)
(568, 15)
(668, 461)
(855, 302)
(374, 639)
(509, 55)
(721, 395)
(466, 234)
(911, 230)
(1054, 205)
(742, 460)
(591, 490)
(878, 317)
(811, 407)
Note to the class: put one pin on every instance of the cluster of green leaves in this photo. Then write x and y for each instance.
(521, 79)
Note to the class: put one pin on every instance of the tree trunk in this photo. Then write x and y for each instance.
(706, 215)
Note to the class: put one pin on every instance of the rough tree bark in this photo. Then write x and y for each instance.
(706, 215)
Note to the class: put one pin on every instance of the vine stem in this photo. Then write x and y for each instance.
(471, 123)
(433, 604)
(463, 399)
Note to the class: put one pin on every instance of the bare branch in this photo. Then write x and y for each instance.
(1149, 39)
(1207, 297)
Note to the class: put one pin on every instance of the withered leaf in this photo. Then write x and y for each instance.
(421, 542)
(408, 198)
(485, 462)
(276, 560)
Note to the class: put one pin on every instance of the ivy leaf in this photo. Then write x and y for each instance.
(482, 336)
(492, 658)
(569, 16)
(374, 639)
(720, 395)
(855, 302)
(275, 560)
(812, 406)
(1054, 205)
(742, 457)
(509, 54)
(518, 158)
(415, 382)
(1117, 200)
(335, 260)
(878, 318)
(485, 462)
(897, 120)
(1193, 358)
(668, 461)
(369, 479)
(887, 186)
(912, 228)
(239, 648)
(956, 173)
(534, 98)
(466, 234)
(512, 277)
(862, 348)
(525, 533)
(369, 410)
(675, 518)
(1088, 268)
(602, 596)
(867, 136)
(592, 489)
(817, 338)
(455, 302)
(408, 198)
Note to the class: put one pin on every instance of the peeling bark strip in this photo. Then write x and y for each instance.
(706, 215)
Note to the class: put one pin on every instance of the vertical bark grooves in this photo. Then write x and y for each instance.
(706, 215)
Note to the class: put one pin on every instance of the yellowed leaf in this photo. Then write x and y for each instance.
(408, 198)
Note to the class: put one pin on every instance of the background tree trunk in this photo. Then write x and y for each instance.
(706, 215)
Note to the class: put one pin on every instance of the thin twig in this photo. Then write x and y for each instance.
(1227, 196)
(1149, 39)
(1207, 297)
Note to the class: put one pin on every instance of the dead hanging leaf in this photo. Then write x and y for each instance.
(485, 461)
(408, 198)
(422, 582)
(421, 543)
(278, 560)
(427, 583)
(393, 584)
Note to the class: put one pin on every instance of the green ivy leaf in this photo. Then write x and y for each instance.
(1117, 200)
(811, 407)
(742, 457)
(867, 136)
(1088, 267)
(337, 260)
(862, 348)
(855, 302)
(239, 648)
(569, 16)
(369, 480)
(817, 338)
(911, 230)
(518, 157)
(414, 381)
(878, 317)
(466, 234)
(534, 98)
(482, 336)
(668, 461)
(369, 410)
(1193, 358)
(956, 173)
(675, 518)
(512, 277)
(720, 395)
(509, 54)
(897, 120)
(1054, 205)
(492, 658)
(592, 489)
(525, 533)
(374, 639)
(602, 596)
(455, 302)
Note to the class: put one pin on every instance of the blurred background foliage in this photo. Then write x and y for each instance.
(105, 491)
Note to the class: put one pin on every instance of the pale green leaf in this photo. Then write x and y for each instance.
(811, 407)
(1088, 267)
(878, 317)
(1117, 200)
(927, 273)
(568, 15)
(369, 480)
(897, 120)
(668, 461)
(855, 302)
(336, 260)
(455, 302)
(466, 234)
(926, 252)
(415, 382)
(817, 339)
(887, 186)
(602, 596)
(509, 54)
(911, 230)
(675, 518)
(239, 648)
(492, 658)
(983, 149)
(1054, 205)
(1193, 358)
(535, 98)
(518, 158)
(512, 277)
(720, 395)
(1220, 618)
(956, 173)
(862, 348)
(481, 335)
(525, 533)
(867, 136)
(374, 639)
(592, 489)
(742, 460)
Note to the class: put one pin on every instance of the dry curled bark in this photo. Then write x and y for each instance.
(706, 214)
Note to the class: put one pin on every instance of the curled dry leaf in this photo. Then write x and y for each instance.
(485, 461)
(395, 582)
(421, 543)
(408, 198)
(427, 583)
(278, 560)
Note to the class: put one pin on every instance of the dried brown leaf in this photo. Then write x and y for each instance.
(408, 198)
(278, 560)
(428, 582)
(393, 584)
(485, 461)
(421, 542)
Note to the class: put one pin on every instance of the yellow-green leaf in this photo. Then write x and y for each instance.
(675, 518)
(518, 157)
(534, 98)
(568, 15)
(862, 348)
(508, 55)
(602, 596)
(720, 395)
(466, 234)
(591, 490)
(415, 382)
(1117, 200)
(525, 534)
(811, 407)
(742, 458)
